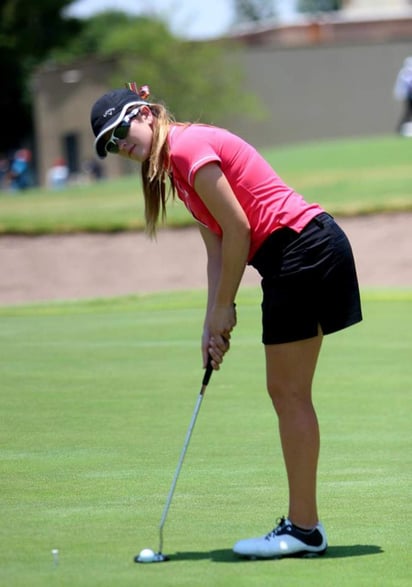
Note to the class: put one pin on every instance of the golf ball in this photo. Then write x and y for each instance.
(147, 555)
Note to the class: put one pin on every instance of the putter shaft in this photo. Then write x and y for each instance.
(205, 381)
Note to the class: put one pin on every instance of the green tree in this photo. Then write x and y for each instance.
(313, 6)
(253, 10)
(28, 30)
(197, 80)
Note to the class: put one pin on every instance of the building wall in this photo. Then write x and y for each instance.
(312, 93)
(62, 102)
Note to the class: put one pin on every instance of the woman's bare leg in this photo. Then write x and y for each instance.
(290, 368)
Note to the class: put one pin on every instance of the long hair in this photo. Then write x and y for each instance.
(155, 170)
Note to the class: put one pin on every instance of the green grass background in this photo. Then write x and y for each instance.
(96, 397)
(354, 176)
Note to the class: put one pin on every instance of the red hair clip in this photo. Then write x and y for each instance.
(143, 92)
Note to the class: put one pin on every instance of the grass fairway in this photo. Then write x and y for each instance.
(352, 176)
(96, 398)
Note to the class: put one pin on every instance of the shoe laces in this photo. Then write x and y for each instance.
(281, 524)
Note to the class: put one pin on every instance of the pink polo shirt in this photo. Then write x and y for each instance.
(267, 201)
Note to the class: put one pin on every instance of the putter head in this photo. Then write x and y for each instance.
(153, 557)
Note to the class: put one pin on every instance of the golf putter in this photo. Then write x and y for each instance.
(159, 557)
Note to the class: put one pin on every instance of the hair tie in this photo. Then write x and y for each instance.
(143, 92)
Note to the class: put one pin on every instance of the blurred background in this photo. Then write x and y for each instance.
(274, 71)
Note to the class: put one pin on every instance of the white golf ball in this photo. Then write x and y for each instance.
(147, 555)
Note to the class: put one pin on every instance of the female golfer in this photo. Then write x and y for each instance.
(247, 215)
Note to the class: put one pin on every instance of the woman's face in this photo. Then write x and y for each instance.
(138, 142)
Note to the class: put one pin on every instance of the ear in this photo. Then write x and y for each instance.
(146, 113)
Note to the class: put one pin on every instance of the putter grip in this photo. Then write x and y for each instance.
(208, 372)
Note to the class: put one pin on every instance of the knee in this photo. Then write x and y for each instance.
(289, 397)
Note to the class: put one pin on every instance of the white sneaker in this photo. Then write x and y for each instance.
(284, 540)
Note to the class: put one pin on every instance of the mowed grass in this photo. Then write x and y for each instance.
(353, 176)
(96, 397)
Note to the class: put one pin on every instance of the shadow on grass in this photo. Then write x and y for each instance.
(353, 550)
(227, 556)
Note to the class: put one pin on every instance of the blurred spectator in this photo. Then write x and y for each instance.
(58, 174)
(94, 169)
(403, 92)
(4, 171)
(20, 174)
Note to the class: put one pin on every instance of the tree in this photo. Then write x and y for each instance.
(313, 6)
(196, 80)
(27, 32)
(253, 10)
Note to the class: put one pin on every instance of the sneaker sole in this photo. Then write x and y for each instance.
(301, 554)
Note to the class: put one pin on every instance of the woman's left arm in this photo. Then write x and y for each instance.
(216, 193)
